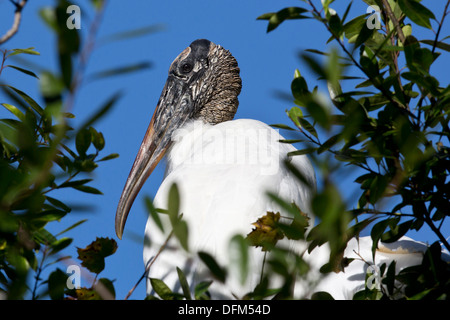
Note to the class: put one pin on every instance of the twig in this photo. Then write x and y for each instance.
(440, 26)
(441, 237)
(377, 85)
(149, 264)
(394, 20)
(84, 57)
(17, 18)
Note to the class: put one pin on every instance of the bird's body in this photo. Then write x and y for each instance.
(223, 173)
(223, 169)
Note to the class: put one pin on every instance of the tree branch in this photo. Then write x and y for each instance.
(17, 18)
(440, 26)
(394, 20)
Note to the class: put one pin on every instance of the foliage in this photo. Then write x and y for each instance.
(41, 153)
(392, 126)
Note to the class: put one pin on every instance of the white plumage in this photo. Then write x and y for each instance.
(223, 173)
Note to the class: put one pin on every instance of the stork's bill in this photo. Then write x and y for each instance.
(203, 83)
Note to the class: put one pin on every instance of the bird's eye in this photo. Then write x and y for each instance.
(186, 67)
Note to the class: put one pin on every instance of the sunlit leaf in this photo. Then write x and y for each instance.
(15, 111)
(26, 51)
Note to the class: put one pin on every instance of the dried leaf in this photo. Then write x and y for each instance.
(266, 232)
(93, 256)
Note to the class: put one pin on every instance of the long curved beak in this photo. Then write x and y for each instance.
(174, 108)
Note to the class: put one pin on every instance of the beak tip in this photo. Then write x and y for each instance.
(119, 227)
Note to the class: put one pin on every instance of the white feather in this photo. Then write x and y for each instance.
(223, 173)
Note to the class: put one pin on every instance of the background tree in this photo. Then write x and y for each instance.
(41, 153)
(391, 126)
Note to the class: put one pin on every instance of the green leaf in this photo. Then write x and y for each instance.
(102, 111)
(153, 213)
(378, 230)
(201, 290)
(98, 140)
(302, 152)
(44, 237)
(276, 18)
(125, 35)
(51, 215)
(74, 183)
(59, 245)
(217, 271)
(294, 113)
(322, 295)
(58, 203)
(110, 157)
(98, 4)
(19, 114)
(173, 205)
(57, 284)
(48, 15)
(83, 141)
(108, 284)
(299, 87)
(179, 226)
(121, 70)
(282, 126)
(88, 189)
(161, 289)
(184, 284)
(28, 72)
(396, 231)
(308, 127)
(240, 255)
(439, 44)
(50, 85)
(353, 28)
(418, 13)
(329, 143)
(76, 224)
(33, 104)
(25, 51)
(364, 34)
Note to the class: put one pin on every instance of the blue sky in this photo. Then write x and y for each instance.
(267, 63)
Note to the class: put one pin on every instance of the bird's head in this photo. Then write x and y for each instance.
(203, 83)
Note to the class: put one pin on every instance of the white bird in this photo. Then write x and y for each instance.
(223, 169)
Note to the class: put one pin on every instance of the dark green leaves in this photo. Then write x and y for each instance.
(387, 103)
(217, 271)
(276, 18)
(417, 12)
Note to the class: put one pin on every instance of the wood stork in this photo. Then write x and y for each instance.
(223, 169)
